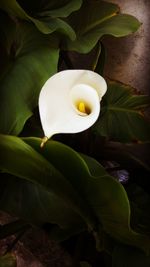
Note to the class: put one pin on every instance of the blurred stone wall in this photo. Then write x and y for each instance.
(129, 57)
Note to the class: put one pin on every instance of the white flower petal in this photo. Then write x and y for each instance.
(60, 97)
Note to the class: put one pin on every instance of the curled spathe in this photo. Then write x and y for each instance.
(69, 102)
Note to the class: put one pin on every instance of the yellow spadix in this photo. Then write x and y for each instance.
(69, 102)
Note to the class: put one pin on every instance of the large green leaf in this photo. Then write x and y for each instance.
(121, 116)
(31, 58)
(8, 260)
(78, 181)
(22, 161)
(58, 154)
(100, 18)
(102, 193)
(36, 205)
(52, 8)
(110, 202)
(46, 22)
(128, 256)
(48, 25)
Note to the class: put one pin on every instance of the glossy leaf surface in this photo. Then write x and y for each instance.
(30, 166)
(30, 59)
(100, 18)
(106, 196)
(61, 8)
(110, 202)
(47, 21)
(88, 190)
(34, 204)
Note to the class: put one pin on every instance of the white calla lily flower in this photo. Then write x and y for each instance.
(69, 102)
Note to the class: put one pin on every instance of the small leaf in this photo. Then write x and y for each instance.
(121, 117)
(100, 18)
(31, 59)
(8, 260)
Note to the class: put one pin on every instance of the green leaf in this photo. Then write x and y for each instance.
(37, 205)
(31, 59)
(111, 205)
(22, 161)
(8, 260)
(45, 22)
(122, 117)
(14, 9)
(58, 154)
(103, 194)
(100, 18)
(80, 182)
(128, 256)
(48, 25)
(52, 8)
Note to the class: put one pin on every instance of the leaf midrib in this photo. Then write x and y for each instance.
(93, 25)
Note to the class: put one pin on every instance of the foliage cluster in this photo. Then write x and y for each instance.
(38, 185)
